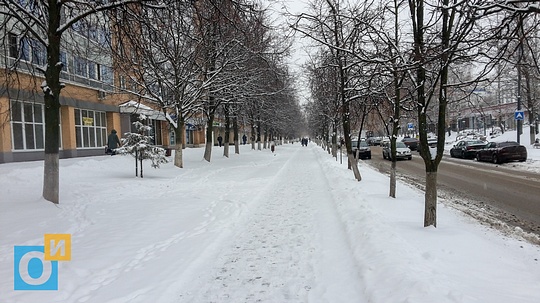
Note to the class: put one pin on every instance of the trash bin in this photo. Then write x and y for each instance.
(168, 151)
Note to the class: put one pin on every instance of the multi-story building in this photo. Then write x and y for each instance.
(95, 99)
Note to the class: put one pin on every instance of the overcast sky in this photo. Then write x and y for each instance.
(279, 9)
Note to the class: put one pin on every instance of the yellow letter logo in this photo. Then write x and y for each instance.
(57, 247)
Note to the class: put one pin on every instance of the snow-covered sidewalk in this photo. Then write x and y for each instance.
(291, 248)
(256, 227)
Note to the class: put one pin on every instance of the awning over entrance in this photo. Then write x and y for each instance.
(134, 107)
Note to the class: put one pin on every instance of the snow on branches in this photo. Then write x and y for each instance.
(139, 146)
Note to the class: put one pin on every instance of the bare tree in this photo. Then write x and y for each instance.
(444, 34)
(165, 62)
(325, 110)
(331, 24)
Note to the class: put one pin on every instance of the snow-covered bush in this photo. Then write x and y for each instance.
(139, 146)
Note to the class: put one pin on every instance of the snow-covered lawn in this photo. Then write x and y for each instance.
(256, 227)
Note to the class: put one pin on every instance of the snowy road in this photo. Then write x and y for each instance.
(291, 238)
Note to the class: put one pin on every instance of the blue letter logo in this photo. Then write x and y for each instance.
(32, 271)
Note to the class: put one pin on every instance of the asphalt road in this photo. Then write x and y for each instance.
(478, 188)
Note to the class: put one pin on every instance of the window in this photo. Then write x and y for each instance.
(92, 70)
(27, 125)
(106, 74)
(63, 59)
(103, 37)
(39, 53)
(13, 47)
(133, 85)
(98, 70)
(122, 81)
(81, 66)
(90, 128)
(80, 27)
(93, 33)
(25, 49)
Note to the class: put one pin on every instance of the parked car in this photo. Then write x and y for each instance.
(364, 151)
(501, 152)
(402, 151)
(374, 141)
(431, 142)
(385, 140)
(412, 143)
(466, 148)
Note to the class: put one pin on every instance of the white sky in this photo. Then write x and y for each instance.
(299, 54)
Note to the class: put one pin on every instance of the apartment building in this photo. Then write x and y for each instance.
(95, 99)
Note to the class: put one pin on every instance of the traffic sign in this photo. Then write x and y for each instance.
(519, 115)
(410, 125)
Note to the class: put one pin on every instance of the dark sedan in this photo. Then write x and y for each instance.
(501, 152)
(412, 143)
(466, 148)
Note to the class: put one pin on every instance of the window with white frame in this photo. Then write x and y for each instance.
(81, 66)
(27, 125)
(39, 53)
(90, 128)
(27, 49)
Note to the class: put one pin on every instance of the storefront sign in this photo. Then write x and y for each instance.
(88, 121)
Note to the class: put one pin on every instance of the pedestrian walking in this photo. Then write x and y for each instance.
(113, 142)
(219, 140)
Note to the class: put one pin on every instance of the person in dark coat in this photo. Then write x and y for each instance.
(244, 139)
(113, 142)
(219, 140)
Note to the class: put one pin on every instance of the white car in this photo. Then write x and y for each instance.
(402, 151)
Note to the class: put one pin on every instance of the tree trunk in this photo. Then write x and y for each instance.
(393, 179)
(530, 106)
(354, 165)
(430, 209)
(178, 147)
(209, 138)
(397, 104)
(51, 90)
(259, 136)
(265, 140)
(136, 163)
(140, 159)
(253, 138)
(227, 132)
(226, 149)
(51, 182)
(236, 136)
(334, 140)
